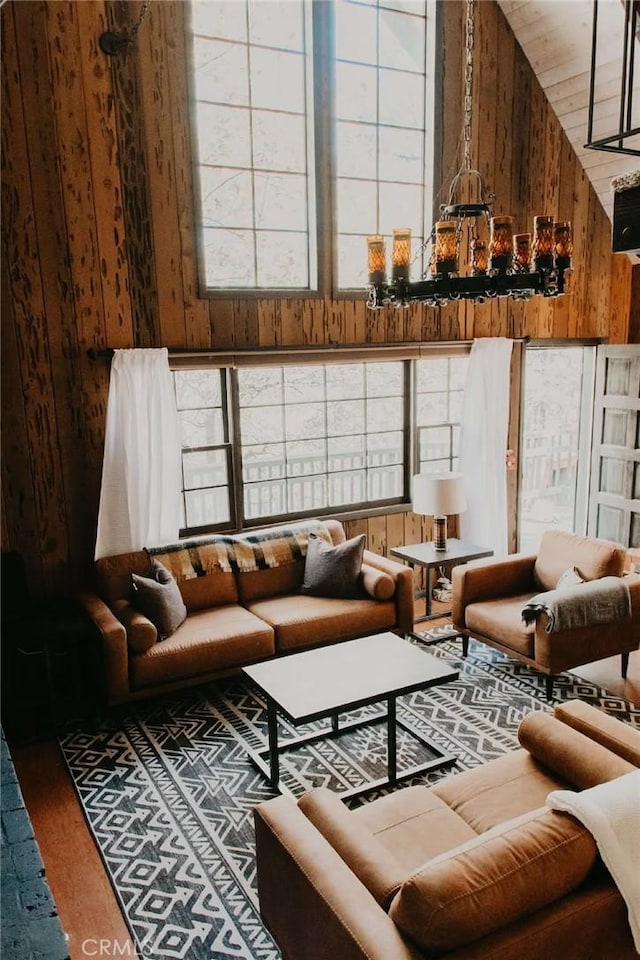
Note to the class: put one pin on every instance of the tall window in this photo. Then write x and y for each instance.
(307, 112)
(254, 117)
(380, 127)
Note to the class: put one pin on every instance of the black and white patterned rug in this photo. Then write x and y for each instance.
(168, 791)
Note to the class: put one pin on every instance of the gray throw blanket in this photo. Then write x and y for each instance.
(606, 600)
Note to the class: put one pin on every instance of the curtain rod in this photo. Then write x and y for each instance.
(106, 353)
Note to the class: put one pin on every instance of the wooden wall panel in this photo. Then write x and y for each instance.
(99, 245)
(39, 439)
(132, 161)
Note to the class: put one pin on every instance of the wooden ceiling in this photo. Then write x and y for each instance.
(555, 36)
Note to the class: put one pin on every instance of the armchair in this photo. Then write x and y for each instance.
(488, 598)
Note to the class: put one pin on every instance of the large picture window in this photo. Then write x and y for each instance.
(308, 112)
(262, 443)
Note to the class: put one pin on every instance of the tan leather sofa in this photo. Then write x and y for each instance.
(488, 598)
(234, 618)
(474, 867)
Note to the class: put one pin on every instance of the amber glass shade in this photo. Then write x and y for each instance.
(401, 254)
(501, 243)
(563, 243)
(543, 242)
(479, 258)
(377, 259)
(522, 252)
(446, 258)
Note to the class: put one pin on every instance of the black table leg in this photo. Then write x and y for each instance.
(391, 740)
(274, 758)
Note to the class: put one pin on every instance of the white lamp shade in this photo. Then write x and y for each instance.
(439, 495)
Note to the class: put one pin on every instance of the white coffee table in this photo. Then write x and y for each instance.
(328, 681)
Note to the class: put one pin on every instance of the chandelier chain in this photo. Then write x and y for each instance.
(468, 80)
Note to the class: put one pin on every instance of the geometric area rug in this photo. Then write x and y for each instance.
(168, 791)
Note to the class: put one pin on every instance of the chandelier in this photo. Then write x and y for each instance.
(512, 265)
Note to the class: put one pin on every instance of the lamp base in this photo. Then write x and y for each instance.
(439, 533)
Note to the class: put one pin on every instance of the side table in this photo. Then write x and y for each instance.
(425, 555)
(48, 670)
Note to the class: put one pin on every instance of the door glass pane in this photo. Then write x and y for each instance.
(553, 448)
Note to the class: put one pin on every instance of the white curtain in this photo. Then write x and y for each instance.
(483, 444)
(140, 493)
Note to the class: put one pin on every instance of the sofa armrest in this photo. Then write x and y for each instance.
(490, 580)
(621, 738)
(570, 754)
(403, 596)
(311, 902)
(564, 649)
(115, 655)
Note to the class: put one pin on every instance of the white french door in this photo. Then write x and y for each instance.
(614, 502)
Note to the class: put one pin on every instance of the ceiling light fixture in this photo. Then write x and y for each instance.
(626, 138)
(506, 265)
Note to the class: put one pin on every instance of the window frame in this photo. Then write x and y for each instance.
(325, 239)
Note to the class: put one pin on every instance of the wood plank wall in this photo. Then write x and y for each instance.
(98, 247)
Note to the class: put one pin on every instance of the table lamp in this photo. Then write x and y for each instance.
(437, 496)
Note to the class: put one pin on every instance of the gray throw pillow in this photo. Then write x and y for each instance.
(333, 571)
(158, 597)
(570, 578)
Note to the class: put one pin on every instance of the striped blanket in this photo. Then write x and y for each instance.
(244, 553)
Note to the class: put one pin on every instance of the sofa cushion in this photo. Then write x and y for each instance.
(414, 825)
(593, 558)
(333, 571)
(376, 583)
(302, 621)
(159, 599)
(569, 753)
(200, 574)
(507, 873)
(258, 584)
(621, 738)
(208, 640)
(494, 792)
(502, 621)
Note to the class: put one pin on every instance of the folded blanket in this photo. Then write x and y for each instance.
(246, 552)
(606, 600)
(611, 813)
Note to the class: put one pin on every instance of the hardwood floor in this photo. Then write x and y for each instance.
(86, 903)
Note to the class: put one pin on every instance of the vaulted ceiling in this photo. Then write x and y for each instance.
(555, 36)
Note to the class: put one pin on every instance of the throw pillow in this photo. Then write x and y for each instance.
(569, 578)
(158, 597)
(333, 571)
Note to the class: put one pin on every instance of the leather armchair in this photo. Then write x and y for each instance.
(488, 598)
